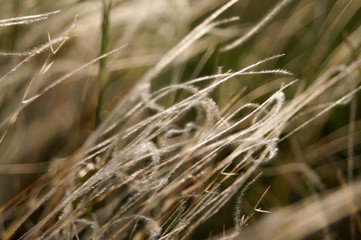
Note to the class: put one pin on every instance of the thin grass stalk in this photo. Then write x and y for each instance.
(104, 48)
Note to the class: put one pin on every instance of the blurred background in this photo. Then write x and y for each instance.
(316, 37)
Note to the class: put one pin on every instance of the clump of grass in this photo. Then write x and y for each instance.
(171, 144)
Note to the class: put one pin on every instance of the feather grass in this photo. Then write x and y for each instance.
(161, 142)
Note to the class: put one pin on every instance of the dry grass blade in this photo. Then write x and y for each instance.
(254, 30)
(299, 220)
(26, 19)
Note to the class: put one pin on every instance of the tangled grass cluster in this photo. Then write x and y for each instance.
(125, 123)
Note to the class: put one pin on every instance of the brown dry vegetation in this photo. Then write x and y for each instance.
(180, 119)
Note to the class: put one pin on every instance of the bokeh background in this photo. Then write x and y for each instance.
(314, 36)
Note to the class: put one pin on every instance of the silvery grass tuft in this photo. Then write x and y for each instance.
(180, 119)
